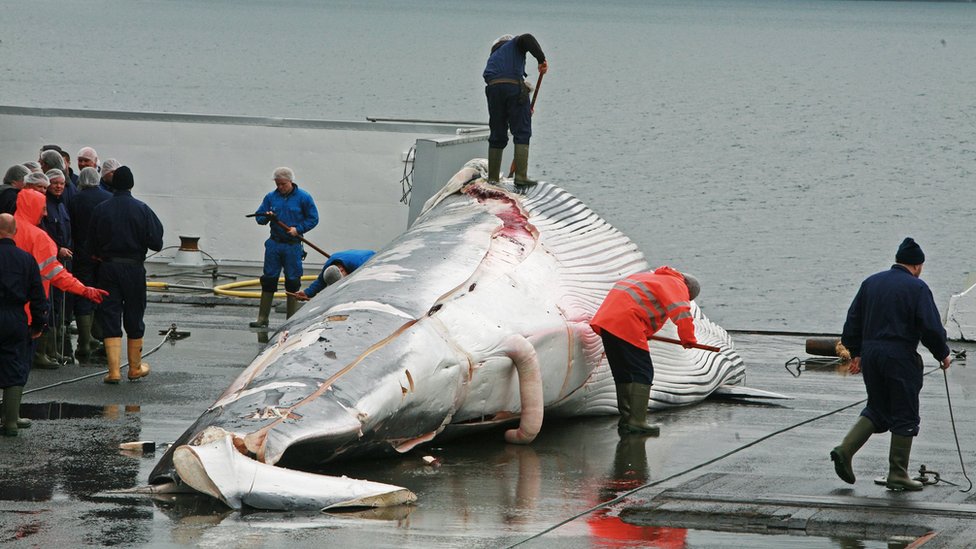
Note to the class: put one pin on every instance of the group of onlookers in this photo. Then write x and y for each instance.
(87, 237)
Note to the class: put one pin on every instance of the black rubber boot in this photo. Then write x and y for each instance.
(522, 166)
(639, 395)
(494, 164)
(898, 455)
(843, 455)
(264, 310)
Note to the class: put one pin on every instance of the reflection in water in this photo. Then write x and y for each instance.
(630, 471)
(73, 450)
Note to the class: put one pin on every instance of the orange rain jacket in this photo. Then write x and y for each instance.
(33, 240)
(639, 305)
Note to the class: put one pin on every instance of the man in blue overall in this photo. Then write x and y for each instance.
(508, 102)
(892, 312)
(339, 265)
(20, 284)
(122, 231)
(294, 208)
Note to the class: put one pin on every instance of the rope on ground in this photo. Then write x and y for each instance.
(952, 418)
(734, 451)
(170, 335)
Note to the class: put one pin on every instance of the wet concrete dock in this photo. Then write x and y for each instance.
(58, 480)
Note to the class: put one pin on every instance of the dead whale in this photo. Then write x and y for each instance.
(476, 315)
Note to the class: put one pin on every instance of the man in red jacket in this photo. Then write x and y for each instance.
(31, 206)
(634, 310)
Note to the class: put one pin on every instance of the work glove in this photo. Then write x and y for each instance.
(94, 294)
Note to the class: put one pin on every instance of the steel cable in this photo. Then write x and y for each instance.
(764, 438)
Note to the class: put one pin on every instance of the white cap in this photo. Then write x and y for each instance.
(37, 178)
(110, 166)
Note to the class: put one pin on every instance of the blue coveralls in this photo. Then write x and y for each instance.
(20, 283)
(350, 259)
(892, 312)
(122, 230)
(505, 108)
(281, 251)
(83, 266)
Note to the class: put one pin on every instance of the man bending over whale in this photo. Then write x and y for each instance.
(634, 310)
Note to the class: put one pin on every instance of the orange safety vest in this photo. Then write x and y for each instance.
(639, 305)
(33, 240)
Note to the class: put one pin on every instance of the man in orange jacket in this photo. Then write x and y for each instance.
(634, 310)
(31, 206)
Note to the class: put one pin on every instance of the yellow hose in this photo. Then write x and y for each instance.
(229, 289)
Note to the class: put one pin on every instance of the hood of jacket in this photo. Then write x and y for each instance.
(30, 206)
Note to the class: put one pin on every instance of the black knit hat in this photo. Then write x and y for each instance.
(910, 253)
(122, 180)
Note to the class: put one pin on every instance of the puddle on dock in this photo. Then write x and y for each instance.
(64, 410)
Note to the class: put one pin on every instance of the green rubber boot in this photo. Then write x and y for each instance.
(898, 454)
(636, 423)
(83, 350)
(494, 164)
(843, 455)
(623, 405)
(291, 306)
(62, 345)
(11, 410)
(264, 310)
(522, 166)
(41, 358)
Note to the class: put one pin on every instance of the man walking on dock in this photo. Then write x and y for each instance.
(892, 312)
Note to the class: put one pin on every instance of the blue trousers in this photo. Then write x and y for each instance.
(893, 378)
(505, 113)
(85, 272)
(628, 364)
(125, 304)
(278, 256)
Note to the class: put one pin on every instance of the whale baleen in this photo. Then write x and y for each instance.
(477, 315)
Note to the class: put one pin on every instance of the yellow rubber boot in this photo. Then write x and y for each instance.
(113, 353)
(137, 368)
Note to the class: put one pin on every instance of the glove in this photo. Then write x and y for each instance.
(94, 294)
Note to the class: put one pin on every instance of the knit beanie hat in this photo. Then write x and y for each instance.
(909, 253)
(694, 288)
(122, 180)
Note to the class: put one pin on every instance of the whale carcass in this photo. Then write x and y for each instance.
(475, 316)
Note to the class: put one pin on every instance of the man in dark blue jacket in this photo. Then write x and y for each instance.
(20, 283)
(339, 265)
(508, 102)
(90, 195)
(296, 210)
(892, 312)
(122, 230)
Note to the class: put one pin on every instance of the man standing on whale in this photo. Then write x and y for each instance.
(509, 107)
(634, 310)
(892, 312)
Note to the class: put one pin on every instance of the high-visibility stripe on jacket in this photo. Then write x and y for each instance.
(33, 240)
(639, 305)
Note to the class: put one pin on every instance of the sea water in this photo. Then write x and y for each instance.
(778, 149)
